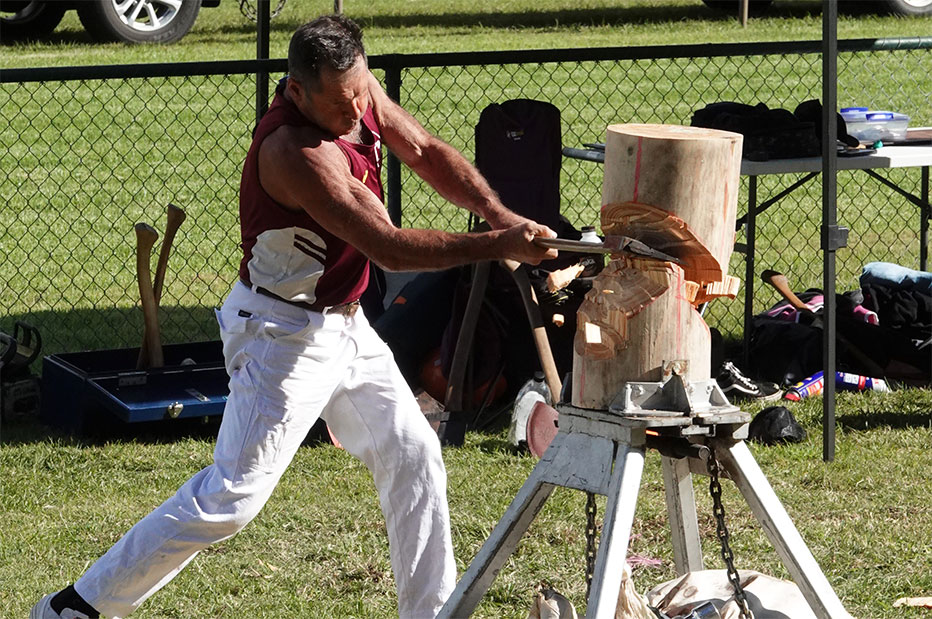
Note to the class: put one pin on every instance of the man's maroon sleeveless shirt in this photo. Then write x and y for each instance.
(285, 251)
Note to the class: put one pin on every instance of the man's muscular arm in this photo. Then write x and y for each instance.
(300, 169)
(438, 163)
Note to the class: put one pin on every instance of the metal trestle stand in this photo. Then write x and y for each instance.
(603, 452)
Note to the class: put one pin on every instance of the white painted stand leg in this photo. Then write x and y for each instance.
(573, 460)
(616, 531)
(681, 512)
(737, 459)
(496, 550)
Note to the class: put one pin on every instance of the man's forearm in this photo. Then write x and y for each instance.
(430, 250)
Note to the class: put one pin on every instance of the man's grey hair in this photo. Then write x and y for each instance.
(333, 41)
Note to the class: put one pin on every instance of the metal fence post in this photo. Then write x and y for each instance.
(262, 53)
(393, 88)
(830, 240)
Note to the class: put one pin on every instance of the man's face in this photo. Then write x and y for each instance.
(339, 100)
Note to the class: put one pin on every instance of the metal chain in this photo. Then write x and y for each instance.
(249, 11)
(718, 510)
(590, 540)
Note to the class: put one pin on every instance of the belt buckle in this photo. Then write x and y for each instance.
(345, 309)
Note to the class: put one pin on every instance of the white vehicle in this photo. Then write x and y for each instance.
(132, 21)
(906, 8)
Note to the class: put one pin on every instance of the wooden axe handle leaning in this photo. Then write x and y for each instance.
(176, 217)
(145, 239)
(779, 282)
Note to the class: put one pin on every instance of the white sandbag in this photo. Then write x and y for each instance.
(768, 597)
(548, 604)
(631, 604)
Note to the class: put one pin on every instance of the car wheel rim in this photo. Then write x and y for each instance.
(146, 15)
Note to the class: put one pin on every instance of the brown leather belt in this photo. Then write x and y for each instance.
(345, 309)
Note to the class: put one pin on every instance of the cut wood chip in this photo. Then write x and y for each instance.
(925, 602)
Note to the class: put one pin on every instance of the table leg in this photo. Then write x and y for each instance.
(924, 220)
(749, 268)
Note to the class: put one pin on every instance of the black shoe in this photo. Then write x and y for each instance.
(66, 604)
(737, 386)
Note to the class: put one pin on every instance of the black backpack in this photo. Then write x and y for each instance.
(519, 149)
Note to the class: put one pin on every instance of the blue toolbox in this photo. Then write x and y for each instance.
(82, 391)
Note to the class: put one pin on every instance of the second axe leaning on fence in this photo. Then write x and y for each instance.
(295, 344)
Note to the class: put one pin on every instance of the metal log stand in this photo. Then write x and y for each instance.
(602, 451)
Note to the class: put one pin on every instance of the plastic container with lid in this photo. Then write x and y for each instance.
(871, 125)
(854, 114)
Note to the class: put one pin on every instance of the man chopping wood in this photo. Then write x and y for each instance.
(297, 347)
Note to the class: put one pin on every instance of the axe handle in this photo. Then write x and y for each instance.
(175, 218)
(145, 239)
(778, 281)
(541, 341)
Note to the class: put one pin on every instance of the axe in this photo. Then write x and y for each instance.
(611, 245)
(175, 217)
(146, 237)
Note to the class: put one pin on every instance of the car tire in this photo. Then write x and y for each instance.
(32, 20)
(135, 21)
(907, 8)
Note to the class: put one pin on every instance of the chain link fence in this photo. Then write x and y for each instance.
(88, 152)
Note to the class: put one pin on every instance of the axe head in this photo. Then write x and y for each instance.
(611, 245)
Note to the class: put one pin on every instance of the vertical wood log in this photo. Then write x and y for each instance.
(676, 189)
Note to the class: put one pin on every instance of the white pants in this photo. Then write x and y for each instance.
(287, 367)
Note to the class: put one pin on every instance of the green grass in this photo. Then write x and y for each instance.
(83, 162)
(89, 159)
(318, 549)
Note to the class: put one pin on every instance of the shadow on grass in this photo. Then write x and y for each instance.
(112, 328)
(606, 16)
(656, 13)
(111, 430)
(897, 420)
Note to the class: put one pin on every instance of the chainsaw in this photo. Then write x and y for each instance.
(19, 389)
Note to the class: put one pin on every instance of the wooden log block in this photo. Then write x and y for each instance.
(676, 189)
